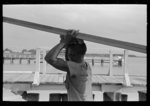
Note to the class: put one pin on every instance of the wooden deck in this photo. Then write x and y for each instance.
(60, 78)
(23, 81)
(54, 83)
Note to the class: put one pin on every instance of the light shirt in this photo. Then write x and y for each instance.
(79, 82)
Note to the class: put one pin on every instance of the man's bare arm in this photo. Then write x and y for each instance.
(51, 58)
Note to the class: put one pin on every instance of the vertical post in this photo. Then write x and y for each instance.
(125, 61)
(38, 60)
(126, 76)
(20, 60)
(12, 60)
(111, 63)
(37, 71)
(28, 60)
(44, 62)
(44, 96)
(98, 96)
(92, 62)
(117, 96)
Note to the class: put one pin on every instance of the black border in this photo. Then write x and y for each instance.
(11, 2)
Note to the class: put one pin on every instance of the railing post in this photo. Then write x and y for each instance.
(36, 80)
(44, 96)
(44, 62)
(98, 96)
(126, 76)
(111, 63)
(92, 62)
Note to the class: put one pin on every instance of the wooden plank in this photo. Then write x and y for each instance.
(26, 78)
(43, 78)
(108, 80)
(53, 78)
(34, 26)
(60, 79)
(50, 87)
(88, 37)
(50, 78)
(18, 86)
(110, 87)
(15, 78)
(18, 72)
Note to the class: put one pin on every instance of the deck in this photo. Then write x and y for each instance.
(47, 81)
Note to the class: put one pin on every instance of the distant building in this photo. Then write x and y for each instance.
(7, 51)
(26, 52)
(33, 51)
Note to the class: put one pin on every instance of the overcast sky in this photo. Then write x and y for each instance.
(120, 22)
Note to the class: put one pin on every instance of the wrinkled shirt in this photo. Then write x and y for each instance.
(79, 82)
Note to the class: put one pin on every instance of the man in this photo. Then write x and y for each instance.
(79, 77)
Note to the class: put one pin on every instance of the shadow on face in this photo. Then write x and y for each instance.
(71, 55)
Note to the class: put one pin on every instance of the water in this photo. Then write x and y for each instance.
(135, 66)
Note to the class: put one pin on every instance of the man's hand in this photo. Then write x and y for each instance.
(70, 34)
(73, 33)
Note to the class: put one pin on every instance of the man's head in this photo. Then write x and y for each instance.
(75, 50)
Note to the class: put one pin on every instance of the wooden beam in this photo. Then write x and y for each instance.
(88, 37)
(50, 87)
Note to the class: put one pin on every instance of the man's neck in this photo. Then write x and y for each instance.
(78, 60)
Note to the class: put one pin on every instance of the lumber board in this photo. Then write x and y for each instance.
(87, 37)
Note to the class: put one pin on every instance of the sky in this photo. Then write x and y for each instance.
(120, 22)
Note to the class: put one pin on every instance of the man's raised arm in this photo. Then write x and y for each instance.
(51, 57)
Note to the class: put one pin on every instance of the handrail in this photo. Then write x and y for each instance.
(88, 37)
